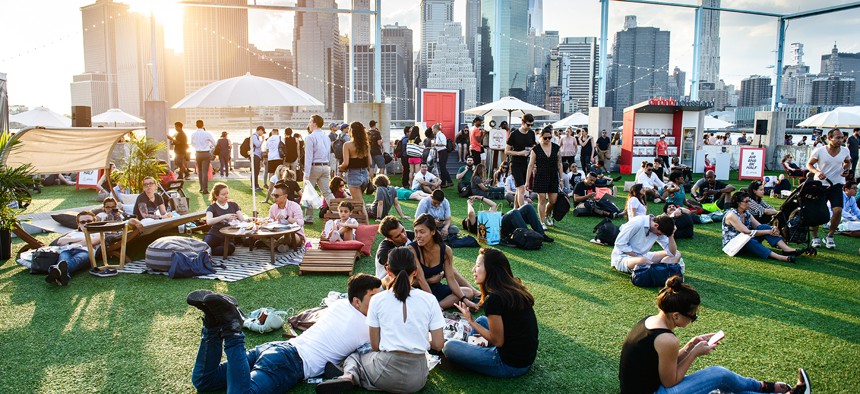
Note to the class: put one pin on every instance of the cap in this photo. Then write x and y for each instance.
(333, 125)
(343, 126)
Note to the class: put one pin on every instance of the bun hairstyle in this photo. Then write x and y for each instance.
(401, 264)
(677, 296)
(216, 191)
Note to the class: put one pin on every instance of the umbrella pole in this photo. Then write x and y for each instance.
(253, 187)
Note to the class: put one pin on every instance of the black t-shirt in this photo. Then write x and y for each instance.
(519, 142)
(853, 145)
(683, 226)
(385, 247)
(374, 136)
(291, 149)
(232, 207)
(603, 143)
(293, 190)
(151, 206)
(638, 371)
(581, 189)
(521, 332)
(705, 186)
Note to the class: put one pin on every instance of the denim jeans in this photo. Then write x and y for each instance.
(521, 217)
(77, 259)
(754, 245)
(710, 379)
(484, 360)
(274, 367)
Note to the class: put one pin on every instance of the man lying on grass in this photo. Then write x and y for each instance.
(276, 366)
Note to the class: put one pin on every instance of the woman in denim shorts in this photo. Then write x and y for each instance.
(356, 160)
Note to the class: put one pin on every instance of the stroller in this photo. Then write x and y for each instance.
(806, 207)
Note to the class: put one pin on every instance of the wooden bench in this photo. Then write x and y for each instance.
(337, 261)
(359, 210)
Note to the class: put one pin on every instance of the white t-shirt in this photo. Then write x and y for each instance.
(635, 207)
(340, 332)
(422, 316)
(428, 177)
(335, 225)
(831, 166)
(272, 144)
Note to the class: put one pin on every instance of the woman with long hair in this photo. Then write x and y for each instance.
(791, 168)
(510, 326)
(545, 167)
(759, 208)
(436, 261)
(739, 220)
(653, 362)
(399, 320)
(480, 187)
(414, 162)
(219, 214)
(637, 203)
(568, 145)
(586, 153)
(462, 140)
(356, 160)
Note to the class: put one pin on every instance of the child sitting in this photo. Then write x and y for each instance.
(342, 229)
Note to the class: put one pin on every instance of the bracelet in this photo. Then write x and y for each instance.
(463, 298)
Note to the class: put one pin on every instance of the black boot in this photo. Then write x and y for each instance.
(195, 299)
(225, 312)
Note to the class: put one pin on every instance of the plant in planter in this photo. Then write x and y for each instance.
(14, 196)
(141, 162)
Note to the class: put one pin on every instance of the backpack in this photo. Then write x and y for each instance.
(561, 207)
(449, 145)
(185, 266)
(398, 149)
(466, 241)
(527, 239)
(245, 148)
(655, 274)
(606, 232)
(337, 147)
(464, 189)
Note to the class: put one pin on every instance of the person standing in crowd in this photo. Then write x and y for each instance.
(854, 150)
(374, 137)
(603, 143)
(510, 326)
(220, 213)
(545, 164)
(317, 169)
(291, 150)
(203, 142)
(180, 151)
(476, 139)
(830, 164)
(586, 153)
(663, 149)
(356, 160)
(519, 148)
(414, 162)
(440, 142)
(222, 149)
(568, 145)
(652, 360)
(257, 146)
(273, 145)
(462, 141)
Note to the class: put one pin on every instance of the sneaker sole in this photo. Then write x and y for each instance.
(805, 379)
(63, 280)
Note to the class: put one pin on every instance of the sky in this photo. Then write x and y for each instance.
(42, 39)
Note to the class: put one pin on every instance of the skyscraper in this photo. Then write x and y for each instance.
(677, 83)
(833, 90)
(640, 65)
(275, 64)
(215, 46)
(473, 26)
(362, 23)
(582, 60)
(399, 39)
(434, 15)
(319, 56)
(843, 64)
(755, 90)
(538, 55)
(452, 67)
(536, 16)
(509, 19)
(710, 46)
(793, 76)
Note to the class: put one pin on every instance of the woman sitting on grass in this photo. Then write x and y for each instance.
(436, 261)
(480, 187)
(510, 326)
(343, 228)
(637, 202)
(739, 220)
(759, 208)
(219, 215)
(653, 362)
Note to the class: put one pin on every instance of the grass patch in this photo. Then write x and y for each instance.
(134, 333)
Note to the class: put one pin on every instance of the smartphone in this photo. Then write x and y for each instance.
(716, 338)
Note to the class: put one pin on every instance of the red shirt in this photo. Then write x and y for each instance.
(661, 148)
(475, 139)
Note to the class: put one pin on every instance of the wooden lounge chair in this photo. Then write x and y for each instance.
(337, 261)
(359, 211)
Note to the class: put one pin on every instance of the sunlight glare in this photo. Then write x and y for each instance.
(168, 13)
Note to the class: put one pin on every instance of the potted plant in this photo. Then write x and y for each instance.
(141, 162)
(14, 196)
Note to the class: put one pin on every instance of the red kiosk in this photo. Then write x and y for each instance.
(644, 123)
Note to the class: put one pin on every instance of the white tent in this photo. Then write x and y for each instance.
(712, 123)
(41, 116)
(506, 106)
(839, 117)
(115, 116)
(577, 119)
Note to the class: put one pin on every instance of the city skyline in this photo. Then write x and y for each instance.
(35, 79)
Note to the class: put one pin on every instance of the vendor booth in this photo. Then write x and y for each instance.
(680, 121)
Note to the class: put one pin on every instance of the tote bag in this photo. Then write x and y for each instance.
(310, 197)
(489, 227)
(737, 243)
(414, 150)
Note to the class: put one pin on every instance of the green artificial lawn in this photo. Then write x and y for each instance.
(135, 333)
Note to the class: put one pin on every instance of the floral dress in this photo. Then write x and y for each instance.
(729, 231)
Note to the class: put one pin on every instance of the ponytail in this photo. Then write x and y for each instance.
(401, 263)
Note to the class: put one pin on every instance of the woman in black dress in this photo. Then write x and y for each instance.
(545, 166)
(586, 154)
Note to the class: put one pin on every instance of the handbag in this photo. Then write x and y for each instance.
(655, 275)
(489, 227)
(387, 157)
(264, 320)
(43, 259)
(414, 150)
(310, 197)
(306, 318)
(737, 243)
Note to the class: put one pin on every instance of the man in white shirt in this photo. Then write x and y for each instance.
(277, 366)
(637, 236)
(203, 142)
(425, 181)
(257, 142)
(273, 145)
(830, 164)
(317, 162)
(651, 184)
(440, 142)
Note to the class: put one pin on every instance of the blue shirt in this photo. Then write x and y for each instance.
(850, 211)
(440, 213)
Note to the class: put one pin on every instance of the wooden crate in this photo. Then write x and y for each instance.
(337, 261)
(359, 211)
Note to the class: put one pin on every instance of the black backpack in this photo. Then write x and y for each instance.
(337, 147)
(449, 145)
(606, 232)
(527, 239)
(245, 148)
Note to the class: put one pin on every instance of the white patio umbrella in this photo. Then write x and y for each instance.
(115, 116)
(712, 123)
(248, 91)
(839, 117)
(507, 106)
(577, 119)
(41, 116)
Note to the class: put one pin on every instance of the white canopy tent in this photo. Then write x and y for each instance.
(115, 116)
(576, 119)
(41, 116)
(848, 117)
(506, 106)
(712, 123)
(57, 150)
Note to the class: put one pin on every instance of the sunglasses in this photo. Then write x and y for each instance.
(109, 208)
(86, 221)
(148, 183)
(691, 317)
(277, 195)
(547, 138)
(529, 124)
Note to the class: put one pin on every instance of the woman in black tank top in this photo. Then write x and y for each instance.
(653, 362)
(356, 160)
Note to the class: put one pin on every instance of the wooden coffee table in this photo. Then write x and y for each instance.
(262, 233)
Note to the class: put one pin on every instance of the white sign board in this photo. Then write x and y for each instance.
(498, 139)
(88, 179)
(751, 163)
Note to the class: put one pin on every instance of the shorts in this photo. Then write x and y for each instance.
(414, 160)
(620, 263)
(519, 172)
(272, 165)
(378, 161)
(440, 291)
(357, 178)
(834, 195)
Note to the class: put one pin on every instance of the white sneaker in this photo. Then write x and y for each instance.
(816, 243)
(829, 243)
(549, 222)
(657, 200)
(544, 226)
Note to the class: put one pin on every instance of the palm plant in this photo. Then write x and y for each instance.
(141, 162)
(14, 182)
